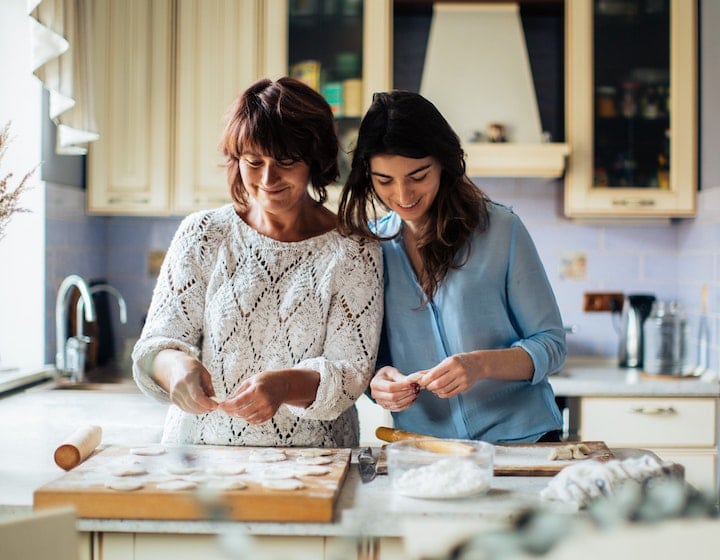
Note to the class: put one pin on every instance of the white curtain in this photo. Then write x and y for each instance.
(62, 54)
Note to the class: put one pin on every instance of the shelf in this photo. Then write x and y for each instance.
(516, 160)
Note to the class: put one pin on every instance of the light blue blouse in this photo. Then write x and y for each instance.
(500, 298)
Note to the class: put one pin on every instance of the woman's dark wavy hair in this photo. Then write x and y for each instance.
(286, 119)
(406, 124)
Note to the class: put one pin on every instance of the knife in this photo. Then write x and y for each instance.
(367, 463)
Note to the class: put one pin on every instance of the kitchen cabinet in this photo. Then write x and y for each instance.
(682, 430)
(631, 108)
(166, 72)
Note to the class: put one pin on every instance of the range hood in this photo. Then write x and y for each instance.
(477, 72)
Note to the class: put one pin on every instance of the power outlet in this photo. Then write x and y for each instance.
(602, 301)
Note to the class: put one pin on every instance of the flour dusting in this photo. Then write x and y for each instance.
(447, 478)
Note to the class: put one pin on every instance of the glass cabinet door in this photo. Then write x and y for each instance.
(631, 117)
(339, 47)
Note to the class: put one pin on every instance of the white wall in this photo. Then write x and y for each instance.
(22, 261)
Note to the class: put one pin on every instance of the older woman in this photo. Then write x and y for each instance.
(264, 324)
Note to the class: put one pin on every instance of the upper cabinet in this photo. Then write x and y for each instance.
(165, 74)
(166, 71)
(631, 118)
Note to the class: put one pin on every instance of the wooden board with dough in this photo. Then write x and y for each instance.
(536, 459)
(202, 482)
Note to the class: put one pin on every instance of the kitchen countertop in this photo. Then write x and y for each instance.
(602, 378)
(34, 422)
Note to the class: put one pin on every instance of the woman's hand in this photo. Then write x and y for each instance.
(392, 390)
(186, 380)
(257, 399)
(451, 377)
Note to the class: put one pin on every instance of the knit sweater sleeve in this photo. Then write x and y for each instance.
(175, 316)
(352, 335)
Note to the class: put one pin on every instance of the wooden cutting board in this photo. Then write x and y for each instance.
(84, 487)
(530, 459)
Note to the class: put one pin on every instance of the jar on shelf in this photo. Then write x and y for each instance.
(605, 100)
(628, 99)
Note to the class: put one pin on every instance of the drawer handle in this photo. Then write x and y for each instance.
(654, 410)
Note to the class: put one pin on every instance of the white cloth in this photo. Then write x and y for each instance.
(245, 303)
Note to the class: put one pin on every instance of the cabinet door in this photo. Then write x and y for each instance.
(631, 117)
(217, 58)
(129, 166)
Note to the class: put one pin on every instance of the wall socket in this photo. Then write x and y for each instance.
(603, 301)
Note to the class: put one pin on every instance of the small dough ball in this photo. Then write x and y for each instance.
(561, 453)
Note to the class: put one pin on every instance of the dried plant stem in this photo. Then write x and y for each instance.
(10, 197)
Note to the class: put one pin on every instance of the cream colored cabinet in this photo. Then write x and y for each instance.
(165, 74)
(129, 167)
(631, 108)
(682, 430)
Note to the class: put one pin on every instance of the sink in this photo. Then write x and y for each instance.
(121, 386)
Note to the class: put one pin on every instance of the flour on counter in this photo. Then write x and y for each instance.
(447, 478)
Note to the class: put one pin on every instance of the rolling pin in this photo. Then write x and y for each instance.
(429, 443)
(78, 447)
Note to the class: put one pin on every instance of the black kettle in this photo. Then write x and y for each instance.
(635, 309)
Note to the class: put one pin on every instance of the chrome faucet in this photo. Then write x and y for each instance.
(93, 290)
(76, 348)
(63, 344)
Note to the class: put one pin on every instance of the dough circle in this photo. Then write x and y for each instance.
(177, 485)
(128, 470)
(322, 460)
(150, 450)
(315, 452)
(267, 456)
(226, 470)
(285, 484)
(226, 485)
(124, 484)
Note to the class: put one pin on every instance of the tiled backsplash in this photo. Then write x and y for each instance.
(671, 260)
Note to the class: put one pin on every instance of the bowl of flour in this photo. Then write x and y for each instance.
(440, 469)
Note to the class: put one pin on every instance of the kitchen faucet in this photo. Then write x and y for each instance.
(67, 351)
(78, 344)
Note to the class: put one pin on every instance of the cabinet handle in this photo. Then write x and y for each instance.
(128, 199)
(633, 202)
(654, 410)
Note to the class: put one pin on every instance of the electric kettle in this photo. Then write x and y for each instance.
(635, 309)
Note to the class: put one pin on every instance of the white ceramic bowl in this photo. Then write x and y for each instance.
(440, 468)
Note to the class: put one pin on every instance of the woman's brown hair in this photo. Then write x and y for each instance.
(406, 124)
(286, 119)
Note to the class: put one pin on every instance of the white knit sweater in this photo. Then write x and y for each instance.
(244, 303)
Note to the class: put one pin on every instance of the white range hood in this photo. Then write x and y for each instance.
(477, 72)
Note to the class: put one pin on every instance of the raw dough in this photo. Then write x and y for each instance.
(322, 460)
(226, 485)
(128, 470)
(278, 473)
(286, 484)
(124, 484)
(267, 456)
(177, 485)
(319, 452)
(150, 450)
(312, 470)
(226, 470)
(414, 377)
(216, 399)
(179, 469)
(569, 452)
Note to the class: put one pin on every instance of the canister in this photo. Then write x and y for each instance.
(665, 334)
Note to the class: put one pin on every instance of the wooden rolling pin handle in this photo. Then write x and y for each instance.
(391, 434)
(78, 447)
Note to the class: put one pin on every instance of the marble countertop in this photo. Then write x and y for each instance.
(595, 378)
(35, 421)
